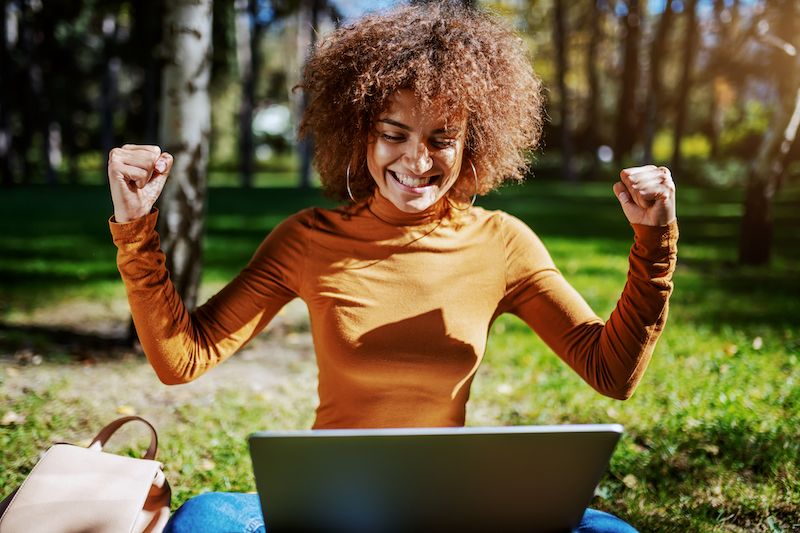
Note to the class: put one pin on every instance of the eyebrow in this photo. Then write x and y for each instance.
(408, 128)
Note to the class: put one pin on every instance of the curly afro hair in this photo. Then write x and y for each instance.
(464, 60)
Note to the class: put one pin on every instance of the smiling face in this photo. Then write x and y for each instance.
(414, 154)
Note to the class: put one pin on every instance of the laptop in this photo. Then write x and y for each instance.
(505, 479)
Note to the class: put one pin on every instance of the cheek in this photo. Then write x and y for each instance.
(451, 160)
(383, 153)
(378, 157)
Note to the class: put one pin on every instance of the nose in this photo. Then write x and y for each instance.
(418, 159)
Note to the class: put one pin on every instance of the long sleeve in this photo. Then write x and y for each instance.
(610, 356)
(181, 345)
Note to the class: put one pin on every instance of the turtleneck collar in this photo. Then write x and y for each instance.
(389, 213)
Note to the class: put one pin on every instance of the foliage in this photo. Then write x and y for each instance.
(712, 435)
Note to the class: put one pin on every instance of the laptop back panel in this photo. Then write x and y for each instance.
(523, 478)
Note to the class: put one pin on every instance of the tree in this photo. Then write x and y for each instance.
(682, 106)
(307, 39)
(248, 32)
(654, 88)
(6, 177)
(592, 139)
(627, 116)
(562, 66)
(184, 132)
(766, 172)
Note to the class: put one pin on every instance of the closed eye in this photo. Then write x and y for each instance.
(393, 138)
(443, 143)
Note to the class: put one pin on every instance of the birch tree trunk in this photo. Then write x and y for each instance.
(763, 182)
(184, 132)
(767, 170)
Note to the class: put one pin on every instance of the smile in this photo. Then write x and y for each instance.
(413, 182)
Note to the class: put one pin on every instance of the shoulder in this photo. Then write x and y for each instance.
(509, 226)
(521, 243)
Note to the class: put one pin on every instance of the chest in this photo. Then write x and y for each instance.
(427, 293)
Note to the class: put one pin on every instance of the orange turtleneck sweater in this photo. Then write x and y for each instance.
(400, 306)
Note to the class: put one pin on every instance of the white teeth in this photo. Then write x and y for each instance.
(409, 181)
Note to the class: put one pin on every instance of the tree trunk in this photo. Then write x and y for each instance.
(593, 76)
(767, 171)
(657, 52)
(108, 91)
(6, 176)
(562, 66)
(185, 130)
(148, 13)
(307, 39)
(627, 119)
(247, 43)
(682, 108)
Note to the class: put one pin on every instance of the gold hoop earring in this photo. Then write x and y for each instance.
(475, 194)
(349, 192)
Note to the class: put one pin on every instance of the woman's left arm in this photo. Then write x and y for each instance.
(610, 356)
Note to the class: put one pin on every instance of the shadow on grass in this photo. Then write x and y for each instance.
(65, 345)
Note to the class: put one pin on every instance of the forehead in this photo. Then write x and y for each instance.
(407, 107)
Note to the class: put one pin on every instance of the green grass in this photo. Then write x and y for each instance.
(712, 438)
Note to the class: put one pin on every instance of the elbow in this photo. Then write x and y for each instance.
(172, 375)
(172, 378)
(622, 393)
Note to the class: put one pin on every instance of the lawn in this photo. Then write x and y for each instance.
(712, 439)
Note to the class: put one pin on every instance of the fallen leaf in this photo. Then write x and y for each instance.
(630, 481)
(12, 372)
(12, 418)
(126, 410)
(713, 449)
(504, 388)
(731, 349)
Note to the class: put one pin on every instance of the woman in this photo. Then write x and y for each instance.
(414, 112)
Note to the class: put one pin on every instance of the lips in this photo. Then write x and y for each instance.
(412, 181)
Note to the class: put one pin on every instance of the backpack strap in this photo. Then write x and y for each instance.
(104, 434)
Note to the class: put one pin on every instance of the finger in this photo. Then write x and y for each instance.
(152, 148)
(133, 175)
(164, 163)
(621, 192)
(158, 182)
(139, 158)
(630, 171)
(646, 180)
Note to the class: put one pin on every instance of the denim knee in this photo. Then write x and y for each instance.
(218, 512)
(595, 521)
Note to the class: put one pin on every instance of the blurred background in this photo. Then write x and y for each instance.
(710, 88)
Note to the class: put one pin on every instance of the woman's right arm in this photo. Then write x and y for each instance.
(179, 344)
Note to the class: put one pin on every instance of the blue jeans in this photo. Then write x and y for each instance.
(236, 512)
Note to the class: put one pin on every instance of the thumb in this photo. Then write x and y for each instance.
(164, 164)
(629, 207)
